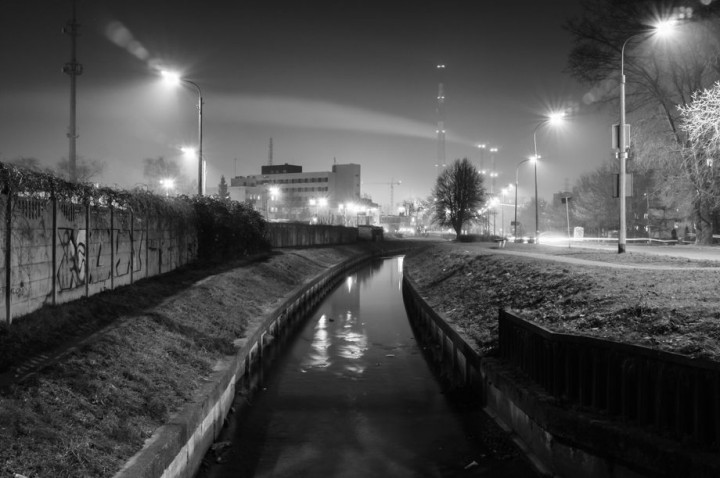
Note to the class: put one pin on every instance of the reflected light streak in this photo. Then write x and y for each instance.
(320, 357)
(349, 283)
(354, 342)
(400, 271)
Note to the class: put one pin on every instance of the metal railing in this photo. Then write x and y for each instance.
(672, 394)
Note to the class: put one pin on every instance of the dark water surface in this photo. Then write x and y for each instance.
(354, 396)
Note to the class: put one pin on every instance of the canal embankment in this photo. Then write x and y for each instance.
(164, 350)
(352, 393)
(562, 409)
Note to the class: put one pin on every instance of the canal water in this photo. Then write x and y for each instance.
(354, 395)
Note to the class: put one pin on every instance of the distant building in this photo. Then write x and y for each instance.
(285, 192)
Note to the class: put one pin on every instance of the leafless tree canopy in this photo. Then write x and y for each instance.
(458, 194)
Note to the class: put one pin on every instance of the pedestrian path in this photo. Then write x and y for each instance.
(697, 253)
(612, 265)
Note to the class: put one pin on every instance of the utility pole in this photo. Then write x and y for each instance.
(74, 69)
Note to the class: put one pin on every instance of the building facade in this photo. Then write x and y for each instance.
(285, 192)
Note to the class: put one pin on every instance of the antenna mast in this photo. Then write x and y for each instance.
(74, 69)
(440, 121)
(270, 152)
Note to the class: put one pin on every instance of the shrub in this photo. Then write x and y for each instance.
(227, 229)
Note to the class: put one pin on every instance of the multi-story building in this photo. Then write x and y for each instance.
(284, 191)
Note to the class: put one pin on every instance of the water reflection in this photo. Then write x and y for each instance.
(339, 341)
(362, 403)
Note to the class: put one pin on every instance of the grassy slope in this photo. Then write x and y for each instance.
(676, 310)
(93, 409)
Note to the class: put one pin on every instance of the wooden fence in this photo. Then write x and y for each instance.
(670, 393)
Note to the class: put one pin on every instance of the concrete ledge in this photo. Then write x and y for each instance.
(558, 441)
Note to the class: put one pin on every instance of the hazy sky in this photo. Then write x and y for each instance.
(350, 80)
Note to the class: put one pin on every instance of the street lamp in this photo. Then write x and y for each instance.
(534, 160)
(168, 184)
(662, 28)
(503, 192)
(552, 119)
(173, 78)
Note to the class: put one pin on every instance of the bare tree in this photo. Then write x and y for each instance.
(660, 74)
(593, 205)
(458, 194)
(85, 169)
(701, 157)
(157, 169)
(223, 188)
(30, 164)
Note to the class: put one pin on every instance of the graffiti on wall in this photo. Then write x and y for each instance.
(137, 245)
(100, 261)
(72, 245)
(122, 252)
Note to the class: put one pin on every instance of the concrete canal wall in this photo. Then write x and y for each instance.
(561, 441)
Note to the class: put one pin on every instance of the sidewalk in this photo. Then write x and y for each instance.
(615, 260)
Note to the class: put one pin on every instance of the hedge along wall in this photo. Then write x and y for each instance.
(56, 249)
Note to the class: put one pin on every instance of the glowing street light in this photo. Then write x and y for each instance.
(168, 184)
(552, 119)
(662, 28)
(174, 79)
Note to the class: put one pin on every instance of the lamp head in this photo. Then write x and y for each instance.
(556, 117)
(665, 28)
(172, 78)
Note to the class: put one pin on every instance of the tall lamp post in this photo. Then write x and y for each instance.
(662, 28)
(517, 168)
(553, 118)
(174, 79)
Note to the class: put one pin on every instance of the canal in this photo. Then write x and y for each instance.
(354, 395)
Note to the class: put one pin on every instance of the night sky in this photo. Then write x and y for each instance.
(354, 81)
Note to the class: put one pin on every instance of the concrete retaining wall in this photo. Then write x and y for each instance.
(56, 251)
(177, 449)
(559, 441)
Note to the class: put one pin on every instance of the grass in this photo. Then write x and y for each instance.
(675, 310)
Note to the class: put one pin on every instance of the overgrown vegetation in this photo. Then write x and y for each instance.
(226, 229)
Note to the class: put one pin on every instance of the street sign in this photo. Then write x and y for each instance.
(616, 136)
(628, 185)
